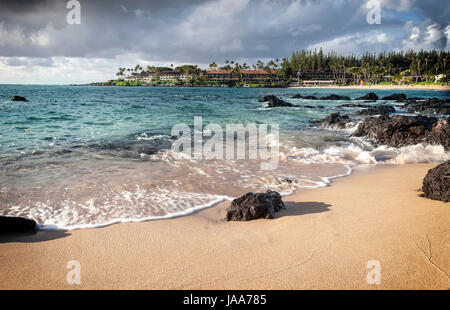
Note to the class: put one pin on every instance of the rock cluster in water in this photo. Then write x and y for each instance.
(369, 96)
(273, 101)
(436, 184)
(335, 97)
(395, 97)
(253, 206)
(336, 120)
(18, 98)
(429, 106)
(398, 131)
(377, 110)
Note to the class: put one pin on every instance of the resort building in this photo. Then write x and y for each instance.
(318, 83)
(219, 75)
(184, 76)
(255, 75)
(169, 76)
(145, 77)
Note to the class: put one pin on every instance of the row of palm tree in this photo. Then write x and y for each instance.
(369, 67)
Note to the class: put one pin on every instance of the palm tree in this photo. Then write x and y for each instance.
(436, 67)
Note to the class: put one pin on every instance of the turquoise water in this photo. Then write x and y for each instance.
(77, 156)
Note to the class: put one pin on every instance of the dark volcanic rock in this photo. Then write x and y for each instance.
(18, 98)
(436, 184)
(335, 97)
(16, 224)
(335, 120)
(377, 110)
(440, 133)
(430, 106)
(310, 97)
(298, 96)
(254, 206)
(354, 105)
(396, 97)
(369, 96)
(273, 101)
(398, 131)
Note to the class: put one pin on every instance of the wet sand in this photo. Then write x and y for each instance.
(323, 240)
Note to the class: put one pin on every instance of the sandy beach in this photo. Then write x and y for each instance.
(323, 240)
(382, 87)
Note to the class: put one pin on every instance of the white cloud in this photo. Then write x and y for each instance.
(427, 35)
(350, 44)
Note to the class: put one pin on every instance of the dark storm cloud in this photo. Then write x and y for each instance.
(188, 31)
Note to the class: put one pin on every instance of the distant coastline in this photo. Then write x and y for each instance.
(424, 70)
(381, 87)
(444, 87)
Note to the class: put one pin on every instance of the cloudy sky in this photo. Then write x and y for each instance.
(38, 46)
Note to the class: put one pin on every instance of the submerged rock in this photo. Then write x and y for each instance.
(354, 105)
(274, 101)
(298, 96)
(395, 97)
(18, 98)
(310, 97)
(436, 184)
(430, 106)
(253, 206)
(377, 110)
(369, 96)
(335, 97)
(16, 224)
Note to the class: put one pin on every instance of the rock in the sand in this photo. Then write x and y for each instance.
(16, 224)
(335, 97)
(436, 184)
(18, 98)
(369, 96)
(377, 110)
(398, 130)
(430, 106)
(253, 206)
(273, 101)
(336, 120)
(395, 97)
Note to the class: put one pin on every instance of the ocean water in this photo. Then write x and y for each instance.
(75, 157)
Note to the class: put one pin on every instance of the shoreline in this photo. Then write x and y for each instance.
(379, 87)
(323, 240)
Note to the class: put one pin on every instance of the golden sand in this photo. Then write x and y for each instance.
(323, 240)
